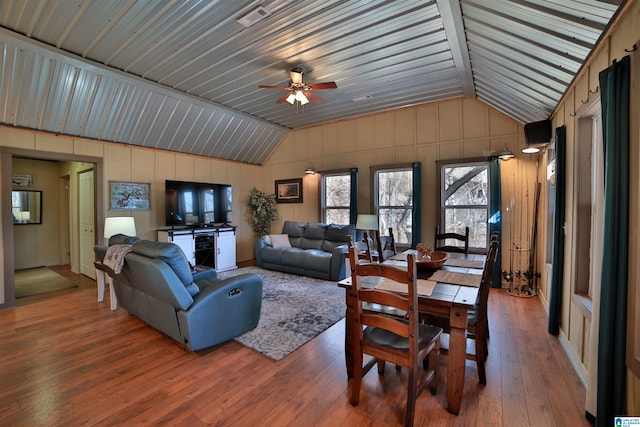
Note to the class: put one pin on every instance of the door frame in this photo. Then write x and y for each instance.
(8, 299)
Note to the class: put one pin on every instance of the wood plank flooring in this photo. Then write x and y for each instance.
(66, 359)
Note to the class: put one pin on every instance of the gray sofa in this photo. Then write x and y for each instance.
(196, 309)
(316, 250)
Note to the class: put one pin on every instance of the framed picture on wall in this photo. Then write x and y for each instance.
(129, 196)
(289, 190)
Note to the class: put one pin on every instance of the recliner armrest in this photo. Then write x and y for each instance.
(200, 273)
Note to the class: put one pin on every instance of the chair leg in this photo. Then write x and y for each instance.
(381, 364)
(356, 381)
(481, 358)
(411, 397)
(433, 368)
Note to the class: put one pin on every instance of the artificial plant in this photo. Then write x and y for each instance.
(264, 210)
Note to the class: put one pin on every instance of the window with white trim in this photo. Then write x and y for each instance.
(393, 188)
(336, 197)
(464, 200)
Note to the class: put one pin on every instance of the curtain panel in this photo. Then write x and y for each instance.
(557, 260)
(611, 396)
(495, 216)
(353, 196)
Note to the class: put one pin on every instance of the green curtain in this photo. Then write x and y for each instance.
(353, 196)
(611, 396)
(557, 261)
(416, 211)
(495, 216)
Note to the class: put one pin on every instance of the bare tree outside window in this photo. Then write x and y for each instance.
(465, 201)
(395, 203)
(336, 197)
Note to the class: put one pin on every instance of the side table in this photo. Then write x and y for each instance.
(101, 276)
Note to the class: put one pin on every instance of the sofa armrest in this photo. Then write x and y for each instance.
(258, 246)
(338, 261)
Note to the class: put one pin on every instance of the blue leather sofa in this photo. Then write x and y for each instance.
(315, 250)
(197, 309)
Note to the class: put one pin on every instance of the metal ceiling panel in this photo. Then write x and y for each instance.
(525, 54)
(49, 91)
(184, 75)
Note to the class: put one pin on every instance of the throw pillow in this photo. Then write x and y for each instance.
(280, 240)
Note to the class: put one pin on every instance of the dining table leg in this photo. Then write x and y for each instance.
(456, 358)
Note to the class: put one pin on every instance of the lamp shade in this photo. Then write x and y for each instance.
(367, 222)
(119, 225)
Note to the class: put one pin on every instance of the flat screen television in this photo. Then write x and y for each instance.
(197, 203)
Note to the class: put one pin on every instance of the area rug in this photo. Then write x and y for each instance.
(295, 309)
(40, 280)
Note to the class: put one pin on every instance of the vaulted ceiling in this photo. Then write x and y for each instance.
(183, 75)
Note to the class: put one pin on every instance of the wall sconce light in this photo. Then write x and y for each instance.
(506, 154)
(310, 170)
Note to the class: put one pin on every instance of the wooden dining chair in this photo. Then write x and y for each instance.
(477, 321)
(404, 342)
(440, 241)
(363, 249)
(386, 245)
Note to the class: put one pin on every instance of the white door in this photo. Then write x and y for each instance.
(225, 247)
(86, 221)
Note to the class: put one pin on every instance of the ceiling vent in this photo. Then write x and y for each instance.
(257, 14)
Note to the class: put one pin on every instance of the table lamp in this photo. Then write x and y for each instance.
(119, 225)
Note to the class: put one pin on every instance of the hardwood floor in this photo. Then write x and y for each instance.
(66, 359)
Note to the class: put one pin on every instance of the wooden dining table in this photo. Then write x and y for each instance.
(446, 299)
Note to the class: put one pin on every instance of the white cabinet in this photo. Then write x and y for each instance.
(186, 241)
(212, 247)
(225, 250)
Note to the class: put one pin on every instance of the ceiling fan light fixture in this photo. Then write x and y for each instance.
(291, 98)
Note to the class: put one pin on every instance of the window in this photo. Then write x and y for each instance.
(464, 200)
(394, 202)
(336, 197)
(589, 200)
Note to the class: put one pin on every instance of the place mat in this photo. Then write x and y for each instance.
(425, 287)
(456, 278)
(466, 263)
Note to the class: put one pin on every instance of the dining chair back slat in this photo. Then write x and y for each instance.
(402, 341)
(440, 241)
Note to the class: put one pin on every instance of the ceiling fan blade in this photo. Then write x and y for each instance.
(283, 99)
(273, 87)
(296, 76)
(325, 85)
(313, 97)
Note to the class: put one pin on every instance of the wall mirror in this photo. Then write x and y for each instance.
(26, 206)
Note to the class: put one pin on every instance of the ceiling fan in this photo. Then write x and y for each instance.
(299, 92)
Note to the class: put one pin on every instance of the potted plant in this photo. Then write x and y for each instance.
(263, 210)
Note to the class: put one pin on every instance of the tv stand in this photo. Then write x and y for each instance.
(212, 246)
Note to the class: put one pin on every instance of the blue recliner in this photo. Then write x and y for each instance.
(198, 310)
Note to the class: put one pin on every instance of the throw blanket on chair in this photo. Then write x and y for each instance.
(114, 258)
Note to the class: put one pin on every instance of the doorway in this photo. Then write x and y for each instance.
(7, 293)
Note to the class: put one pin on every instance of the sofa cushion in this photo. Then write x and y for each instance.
(337, 235)
(294, 230)
(293, 257)
(279, 241)
(317, 260)
(315, 231)
(171, 254)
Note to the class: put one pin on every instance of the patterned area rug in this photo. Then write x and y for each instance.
(40, 280)
(295, 309)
